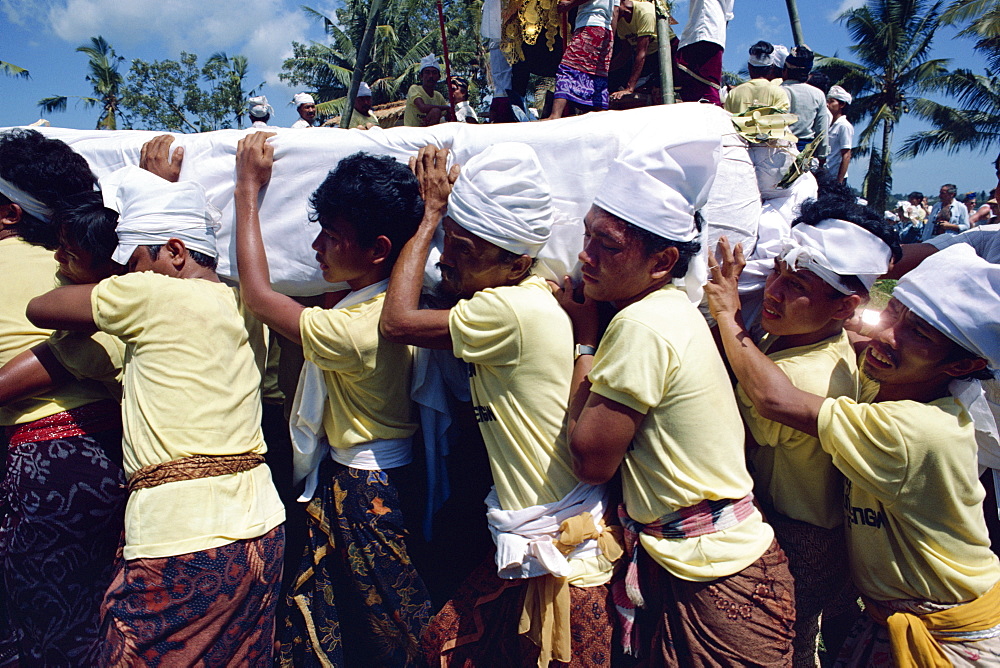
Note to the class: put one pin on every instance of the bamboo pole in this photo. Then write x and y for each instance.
(360, 62)
(447, 60)
(666, 62)
(793, 17)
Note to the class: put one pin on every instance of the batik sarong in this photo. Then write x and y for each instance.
(357, 599)
(479, 626)
(582, 76)
(63, 501)
(745, 619)
(214, 607)
(817, 559)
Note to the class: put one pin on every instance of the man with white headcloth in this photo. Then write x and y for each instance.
(554, 553)
(760, 91)
(426, 106)
(201, 501)
(827, 264)
(362, 116)
(706, 582)
(841, 135)
(305, 105)
(917, 540)
(260, 112)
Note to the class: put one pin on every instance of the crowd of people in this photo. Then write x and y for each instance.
(669, 482)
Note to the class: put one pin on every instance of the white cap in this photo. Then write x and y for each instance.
(779, 55)
(834, 248)
(364, 90)
(838, 93)
(502, 196)
(301, 98)
(658, 183)
(429, 61)
(957, 293)
(153, 210)
(258, 107)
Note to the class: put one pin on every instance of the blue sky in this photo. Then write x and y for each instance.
(42, 35)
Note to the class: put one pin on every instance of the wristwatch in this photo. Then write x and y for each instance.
(581, 349)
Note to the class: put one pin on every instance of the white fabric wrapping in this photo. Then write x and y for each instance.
(970, 394)
(502, 196)
(524, 538)
(32, 205)
(834, 248)
(957, 293)
(779, 55)
(304, 98)
(658, 183)
(838, 93)
(430, 61)
(305, 424)
(364, 90)
(152, 210)
(258, 107)
(574, 153)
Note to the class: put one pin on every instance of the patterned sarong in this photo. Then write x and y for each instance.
(62, 502)
(744, 619)
(214, 607)
(583, 89)
(479, 626)
(357, 599)
(589, 51)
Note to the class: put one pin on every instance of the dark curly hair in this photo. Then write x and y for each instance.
(47, 169)
(375, 195)
(85, 222)
(845, 207)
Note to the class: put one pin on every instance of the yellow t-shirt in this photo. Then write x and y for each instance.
(359, 120)
(658, 358)
(192, 387)
(29, 271)
(757, 93)
(518, 342)
(794, 474)
(643, 24)
(367, 377)
(411, 115)
(913, 502)
(96, 356)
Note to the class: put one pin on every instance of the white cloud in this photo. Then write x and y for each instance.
(768, 27)
(262, 30)
(844, 6)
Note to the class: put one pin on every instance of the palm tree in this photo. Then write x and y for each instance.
(13, 70)
(892, 40)
(105, 79)
(229, 95)
(977, 123)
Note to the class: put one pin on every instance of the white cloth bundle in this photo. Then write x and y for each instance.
(574, 153)
(524, 538)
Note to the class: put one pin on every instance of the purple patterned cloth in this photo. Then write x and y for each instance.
(581, 88)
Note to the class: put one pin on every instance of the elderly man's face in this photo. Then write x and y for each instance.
(947, 197)
(363, 103)
(307, 112)
(469, 263)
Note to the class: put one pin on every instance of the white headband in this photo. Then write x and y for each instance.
(30, 204)
(833, 249)
(152, 211)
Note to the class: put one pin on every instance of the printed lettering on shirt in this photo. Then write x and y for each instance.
(871, 517)
(484, 414)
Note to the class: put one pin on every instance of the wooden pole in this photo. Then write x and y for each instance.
(793, 17)
(447, 60)
(360, 62)
(666, 62)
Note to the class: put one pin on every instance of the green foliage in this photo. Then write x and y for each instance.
(407, 30)
(181, 96)
(892, 40)
(12, 70)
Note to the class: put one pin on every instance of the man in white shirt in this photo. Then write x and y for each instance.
(957, 222)
(306, 106)
(841, 136)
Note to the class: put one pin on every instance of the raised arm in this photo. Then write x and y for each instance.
(30, 373)
(403, 321)
(254, 158)
(768, 388)
(67, 307)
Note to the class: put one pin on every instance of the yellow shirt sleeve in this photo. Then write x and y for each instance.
(98, 356)
(120, 304)
(638, 381)
(328, 340)
(485, 330)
